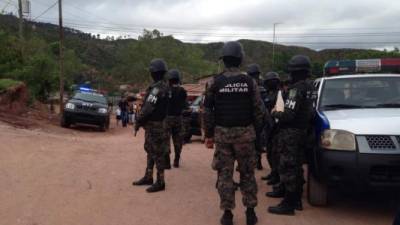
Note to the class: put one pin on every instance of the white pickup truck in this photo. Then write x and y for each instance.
(358, 131)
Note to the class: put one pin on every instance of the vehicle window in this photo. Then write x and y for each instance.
(368, 92)
(91, 97)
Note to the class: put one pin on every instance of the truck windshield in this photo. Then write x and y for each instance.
(353, 93)
(91, 97)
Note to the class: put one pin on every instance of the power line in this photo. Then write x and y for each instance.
(45, 11)
(209, 37)
(292, 35)
(212, 28)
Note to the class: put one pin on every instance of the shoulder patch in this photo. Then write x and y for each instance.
(292, 93)
(155, 91)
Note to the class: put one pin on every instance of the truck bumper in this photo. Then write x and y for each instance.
(362, 171)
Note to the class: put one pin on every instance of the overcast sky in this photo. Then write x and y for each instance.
(316, 24)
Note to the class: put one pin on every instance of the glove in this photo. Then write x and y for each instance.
(209, 142)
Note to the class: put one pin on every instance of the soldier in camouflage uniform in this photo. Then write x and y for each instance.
(271, 82)
(151, 117)
(233, 112)
(293, 124)
(177, 101)
(254, 71)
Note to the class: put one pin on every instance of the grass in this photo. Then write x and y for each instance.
(7, 83)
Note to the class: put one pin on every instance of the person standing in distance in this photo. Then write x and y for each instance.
(176, 104)
(293, 124)
(233, 114)
(254, 71)
(151, 117)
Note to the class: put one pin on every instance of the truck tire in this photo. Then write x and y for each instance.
(64, 122)
(317, 192)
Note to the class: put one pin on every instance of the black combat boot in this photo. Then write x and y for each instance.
(299, 201)
(227, 218)
(268, 177)
(274, 179)
(167, 162)
(159, 185)
(176, 161)
(146, 180)
(251, 218)
(236, 185)
(277, 192)
(286, 207)
(156, 187)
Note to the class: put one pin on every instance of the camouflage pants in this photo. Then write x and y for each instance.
(174, 129)
(155, 146)
(290, 142)
(224, 159)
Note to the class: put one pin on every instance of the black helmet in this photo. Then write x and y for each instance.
(271, 76)
(233, 49)
(174, 74)
(158, 65)
(253, 69)
(299, 63)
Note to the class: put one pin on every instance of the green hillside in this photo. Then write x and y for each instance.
(109, 63)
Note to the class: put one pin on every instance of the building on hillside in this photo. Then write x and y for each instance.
(205, 79)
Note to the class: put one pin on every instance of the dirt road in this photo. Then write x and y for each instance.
(80, 177)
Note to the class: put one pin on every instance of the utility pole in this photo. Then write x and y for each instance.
(61, 57)
(273, 45)
(21, 21)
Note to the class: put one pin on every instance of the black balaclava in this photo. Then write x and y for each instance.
(158, 76)
(297, 76)
(255, 76)
(173, 82)
(273, 84)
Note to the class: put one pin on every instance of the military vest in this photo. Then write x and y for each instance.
(305, 113)
(160, 91)
(233, 100)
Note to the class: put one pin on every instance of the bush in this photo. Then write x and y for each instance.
(7, 83)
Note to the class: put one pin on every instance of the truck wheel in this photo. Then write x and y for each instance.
(317, 191)
(64, 122)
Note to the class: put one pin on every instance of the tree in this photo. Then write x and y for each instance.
(148, 35)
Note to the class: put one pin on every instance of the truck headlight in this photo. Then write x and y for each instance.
(102, 110)
(70, 106)
(338, 140)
